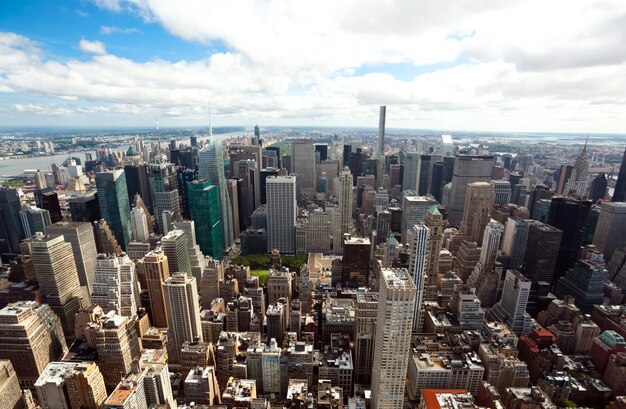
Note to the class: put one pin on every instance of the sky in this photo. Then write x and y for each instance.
(482, 65)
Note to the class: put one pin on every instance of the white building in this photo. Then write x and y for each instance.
(139, 224)
(418, 238)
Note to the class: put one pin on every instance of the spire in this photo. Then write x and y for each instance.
(158, 135)
(586, 140)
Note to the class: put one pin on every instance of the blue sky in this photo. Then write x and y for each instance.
(458, 65)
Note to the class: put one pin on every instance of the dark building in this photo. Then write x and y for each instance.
(619, 194)
(175, 156)
(11, 231)
(518, 194)
(355, 164)
(194, 141)
(347, 150)
(49, 200)
(424, 175)
(515, 178)
(448, 169)
(542, 248)
(265, 173)
(356, 261)
(85, 208)
(188, 158)
(396, 219)
(597, 190)
(539, 192)
(277, 150)
(506, 161)
(137, 183)
(185, 176)
(437, 181)
(569, 215)
(563, 176)
(322, 148)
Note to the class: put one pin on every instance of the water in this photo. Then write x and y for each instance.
(15, 167)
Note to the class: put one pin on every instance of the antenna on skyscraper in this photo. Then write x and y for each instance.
(210, 124)
(586, 140)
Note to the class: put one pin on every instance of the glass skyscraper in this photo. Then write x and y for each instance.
(114, 205)
(205, 210)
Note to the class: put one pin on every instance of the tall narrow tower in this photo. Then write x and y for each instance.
(156, 271)
(343, 215)
(183, 312)
(114, 205)
(380, 152)
(393, 338)
(281, 214)
(419, 243)
(434, 222)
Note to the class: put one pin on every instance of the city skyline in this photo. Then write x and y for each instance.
(458, 66)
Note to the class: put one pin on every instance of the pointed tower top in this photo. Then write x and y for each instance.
(586, 140)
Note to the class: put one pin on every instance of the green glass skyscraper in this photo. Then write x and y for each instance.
(206, 211)
(114, 205)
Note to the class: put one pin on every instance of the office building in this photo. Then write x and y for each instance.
(514, 241)
(511, 309)
(466, 307)
(411, 173)
(396, 306)
(31, 335)
(414, 209)
(597, 188)
(85, 208)
(139, 224)
(486, 275)
(610, 230)
(539, 192)
(163, 182)
(10, 391)
(364, 336)
(569, 215)
(619, 194)
(48, 199)
(34, 219)
(11, 231)
(479, 198)
(211, 168)
(175, 246)
(137, 183)
(467, 169)
(205, 211)
(281, 214)
(71, 385)
(578, 182)
(155, 269)
(584, 282)
(303, 166)
(57, 275)
(115, 286)
(418, 243)
(105, 239)
(502, 191)
(201, 386)
(343, 214)
(114, 204)
(81, 237)
(542, 248)
(183, 312)
(356, 261)
(434, 222)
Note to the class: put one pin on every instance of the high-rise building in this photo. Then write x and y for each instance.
(619, 194)
(71, 385)
(11, 231)
(10, 391)
(114, 204)
(105, 239)
(434, 222)
(569, 215)
(183, 312)
(418, 243)
(542, 249)
(414, 209)
(511, 309)
(564, 174)
(538, 193)
(477, 209)
(381, 133)
(467, 169)
(81, 237)
(411, 174)
(211, 168)
(356, 261)
(85, 208)
(303, 166)
(163, 190)
(175, 247)
(579, 180)
(34, 219)
(343, 214)
(155, 269)
(486, 277)
(281, 214)
(137, 183)
(364, 336)
(396, 306)
(502, 191)
(31, 335)
(205, 211)
(597, 188)
(48, 199)
(514, 241)
(139, 224)
(317, 232)
(584, 281)
(609, 233)
(57, 275)
(115, 286)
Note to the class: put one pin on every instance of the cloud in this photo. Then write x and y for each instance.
(92, 47)
(107, 30)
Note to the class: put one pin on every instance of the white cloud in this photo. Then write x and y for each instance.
(92, 47)
(107, 30)
(479, 64)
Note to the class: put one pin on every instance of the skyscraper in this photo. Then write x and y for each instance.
(183, 312)
(343, 214)
(34, 219)
(418, 243)
(434, 222)
(114, 204)
(155, 269)
(11, 231)
(116, 286)
(71, 385)
(511, 309)
(381, 133)
(81, 237)
(619, 194)
(610, 230)
(569, 215)
(139, 224)
(393, 338)
(303, 166)
(467, 169)
(579, 180)
(502, 191)
(542, 249)
(174, 245)
(206, 212)
(477, 209)
(281, 214)
(514, 241)
(58, 278)
(411, 174)
(163, 190)
(211, 168)
(414, 210)
(137, 183)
